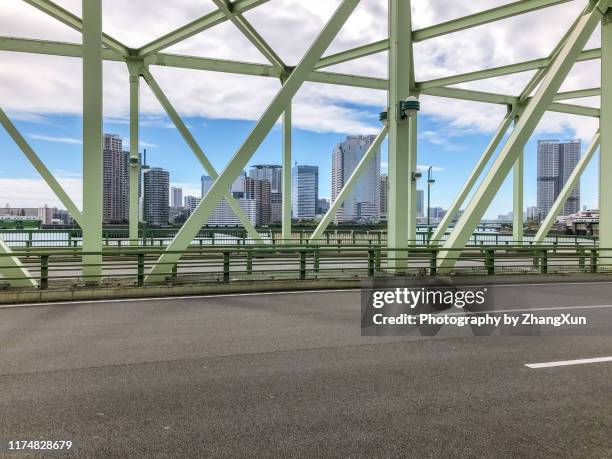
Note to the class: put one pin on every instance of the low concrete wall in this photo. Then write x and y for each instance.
(149, 291)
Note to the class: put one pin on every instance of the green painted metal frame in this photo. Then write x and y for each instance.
(92, 139)
(197, 151)
(135, 68)
(605, 154)
(287, 177)
(150, 55)
(278, 105)
(554, 76)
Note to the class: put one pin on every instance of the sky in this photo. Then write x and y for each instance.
(43, 94)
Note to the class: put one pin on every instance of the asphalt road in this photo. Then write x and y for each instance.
(290, 375)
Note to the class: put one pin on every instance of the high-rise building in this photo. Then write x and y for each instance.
(237, 188)
(259, 190)
(273, 173)
(116, 180)
(206, 184)
(176, 197)
(556, 162)
(384, 197)
(191, 202)
(304, 191)
(224, 215)
(276, 207)
(156, 191)
(363, 202)
(420, 203)
(322, 206)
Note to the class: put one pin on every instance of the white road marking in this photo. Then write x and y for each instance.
(564, 363)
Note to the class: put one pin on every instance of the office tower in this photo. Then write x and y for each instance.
(304, 191)
(156, 191)
(206, 184)
(362, 203)
(273, 173)
(420, 203)
(384, 197)
(322, 206)
(116, 182)
(556, 162)
(191, 202)
(237, 188)
(259, 190)
(224, 215)
(176, 197)
(276, 207)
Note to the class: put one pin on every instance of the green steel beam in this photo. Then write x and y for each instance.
(198, 152)
(605, 154)
(287, 178)
(278, 105)
(528, 121)
(468, 94)
(249, 32)
(66, 17)
(53, 48)
(518, 196)
(455, 25)
(401, 221)
(135, 68)
(92, 139)
(12, 268)
(565, 193)
(264, 70)
(578, 94)
(40, 167)
(195, 27)
(572, 109)
(349, 185)
(511, 69)
(484, 17)
(473, 177)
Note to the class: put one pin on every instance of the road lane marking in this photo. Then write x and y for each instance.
(563, 363)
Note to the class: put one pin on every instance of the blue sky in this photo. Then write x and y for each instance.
(453, 153)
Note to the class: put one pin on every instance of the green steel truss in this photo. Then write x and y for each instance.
(524, 110)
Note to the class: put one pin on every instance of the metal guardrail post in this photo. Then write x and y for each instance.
(249, 263)
(353, 237)
(544, 261)
(581, 259)
(226, 266)
(174, 271)
(490, 261)
(377, 261)
(141, 269)
(29, 241)
(433, 262)
(302, 265)
(317, 256)
(370, 263)
(44, 272)
(555, 245)
(593, 260)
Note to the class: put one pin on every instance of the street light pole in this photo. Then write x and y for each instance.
(430, 182)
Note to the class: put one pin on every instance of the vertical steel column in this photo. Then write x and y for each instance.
(286, 215)
(605, 153)
(92, 138)
(401, 223)
(135, 69)
(517, 196)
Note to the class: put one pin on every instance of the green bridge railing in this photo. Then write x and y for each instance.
(61, 267)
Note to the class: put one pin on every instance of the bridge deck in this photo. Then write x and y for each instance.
(284, 374)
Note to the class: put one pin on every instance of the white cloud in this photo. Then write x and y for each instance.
(289, 26)
(49, 138)
(29, 192)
